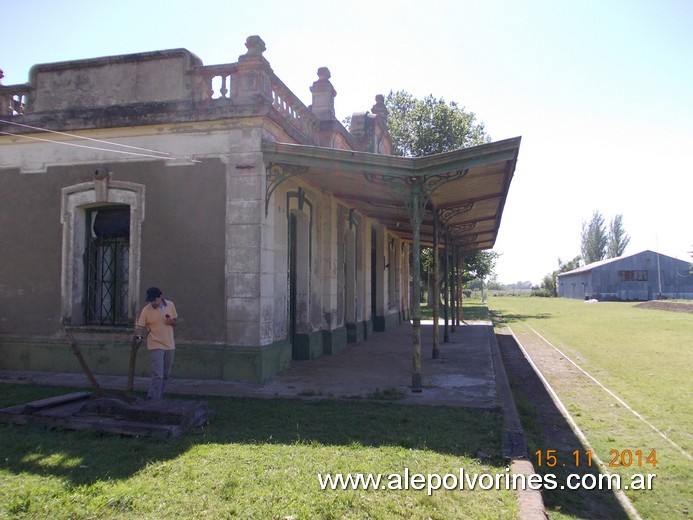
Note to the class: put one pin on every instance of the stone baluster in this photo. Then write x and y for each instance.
(12, 101)
(223, 90)
(18, 104)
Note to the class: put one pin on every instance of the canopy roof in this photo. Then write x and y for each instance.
(468, 186)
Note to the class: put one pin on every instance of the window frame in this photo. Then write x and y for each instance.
(76, 201)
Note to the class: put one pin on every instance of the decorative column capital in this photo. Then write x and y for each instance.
(255, 45)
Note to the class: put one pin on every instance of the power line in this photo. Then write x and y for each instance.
(163, 155)
(85, 146)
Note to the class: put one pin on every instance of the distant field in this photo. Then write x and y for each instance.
(645, 357)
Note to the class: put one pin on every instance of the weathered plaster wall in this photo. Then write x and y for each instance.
(117, 80)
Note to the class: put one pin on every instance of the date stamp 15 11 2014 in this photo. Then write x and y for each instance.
(549, 458)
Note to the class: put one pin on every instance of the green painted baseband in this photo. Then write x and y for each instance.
(223, 362)
(192, 361)
(334, 340)
(357, 332)
(352, 332)
(367, 329)
(387, 322)
(308, 346)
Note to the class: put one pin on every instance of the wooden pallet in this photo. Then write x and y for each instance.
(116, 415)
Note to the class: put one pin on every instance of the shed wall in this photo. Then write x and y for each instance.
(643, 276)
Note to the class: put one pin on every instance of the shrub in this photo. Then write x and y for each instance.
(542, 293)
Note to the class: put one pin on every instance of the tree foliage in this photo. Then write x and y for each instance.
(618, 238)
(594, 239)
(478, 265)
(550, 283)
(427, 126)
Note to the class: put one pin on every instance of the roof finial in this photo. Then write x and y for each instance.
(255, 46)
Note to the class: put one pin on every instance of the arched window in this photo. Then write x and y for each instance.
(102, 228)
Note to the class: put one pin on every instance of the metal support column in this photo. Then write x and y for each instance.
(415, 191)
(458, 284)
(436, 287)
(416, 210)
(446, 294)
(453, 287)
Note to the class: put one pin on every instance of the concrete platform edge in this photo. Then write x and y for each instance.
(514, 443)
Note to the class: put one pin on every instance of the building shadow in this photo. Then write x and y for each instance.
(84, 458)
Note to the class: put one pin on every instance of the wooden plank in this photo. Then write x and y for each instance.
(52, 402)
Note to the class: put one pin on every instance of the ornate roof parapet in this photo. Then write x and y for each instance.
(157, 87)
(323, 96)
(370, 129)
(379, 109)
(254, 74)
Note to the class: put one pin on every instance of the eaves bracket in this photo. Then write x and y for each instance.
(276, 174)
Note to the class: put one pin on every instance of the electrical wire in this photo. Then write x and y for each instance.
(88, 147)
(81, 137)
(163, 155)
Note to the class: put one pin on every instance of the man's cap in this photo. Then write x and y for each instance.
(153, 293)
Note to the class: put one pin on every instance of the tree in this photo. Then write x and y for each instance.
(478, 265)
(594, 239)
(550, 283)
(618, 238)
(420, 127)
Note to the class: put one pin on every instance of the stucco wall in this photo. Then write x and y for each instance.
(182, 243)
(117, 80)
(30, 254)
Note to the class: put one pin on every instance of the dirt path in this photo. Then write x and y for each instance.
(547, 429)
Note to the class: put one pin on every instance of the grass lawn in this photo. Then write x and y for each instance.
(644, 356)
(472, 309)
(257, 459)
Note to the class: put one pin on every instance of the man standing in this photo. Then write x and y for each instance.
(156, 321)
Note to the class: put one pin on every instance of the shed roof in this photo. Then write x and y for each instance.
(587, 268)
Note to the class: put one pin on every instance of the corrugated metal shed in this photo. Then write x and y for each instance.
(641, 276)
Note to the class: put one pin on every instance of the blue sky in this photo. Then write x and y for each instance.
(600, 91)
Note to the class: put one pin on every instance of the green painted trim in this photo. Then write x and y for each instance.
(192, 361)
(383, 323)
(352, 332)
(334, 341)
(308, 346)
(256, 364)
(357, 332)
(367, 329)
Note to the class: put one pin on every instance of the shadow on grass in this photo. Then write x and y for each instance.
(474, 310)
(83, 458)
(546, 429)
(500, 318)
